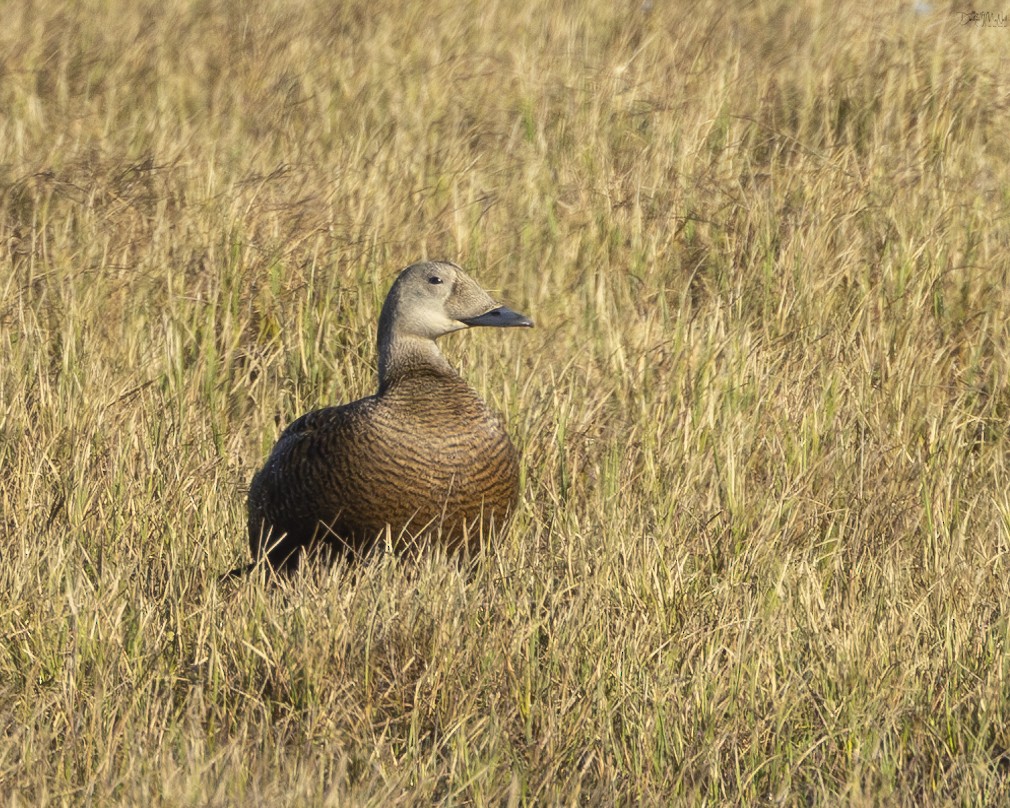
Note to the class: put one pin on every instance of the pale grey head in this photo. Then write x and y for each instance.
(427, 300)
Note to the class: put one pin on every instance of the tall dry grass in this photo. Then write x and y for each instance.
(762, 552)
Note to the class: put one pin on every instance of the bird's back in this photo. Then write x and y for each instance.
(425, 458)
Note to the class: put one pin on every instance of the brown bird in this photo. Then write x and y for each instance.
(423, 458)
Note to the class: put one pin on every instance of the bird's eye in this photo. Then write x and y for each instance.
(434, 279)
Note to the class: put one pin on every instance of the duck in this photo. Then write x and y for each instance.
(424, 461)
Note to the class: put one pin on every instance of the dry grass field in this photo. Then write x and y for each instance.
(762, 554)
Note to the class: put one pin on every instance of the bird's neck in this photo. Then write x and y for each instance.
(401, 357)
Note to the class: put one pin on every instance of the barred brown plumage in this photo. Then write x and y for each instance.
(423, 458)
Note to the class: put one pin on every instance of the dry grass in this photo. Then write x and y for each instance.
(762, 554)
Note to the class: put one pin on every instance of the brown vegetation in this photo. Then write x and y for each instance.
(762, 550)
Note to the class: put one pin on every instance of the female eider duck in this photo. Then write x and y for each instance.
(423, 458)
